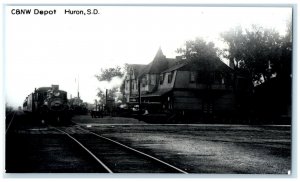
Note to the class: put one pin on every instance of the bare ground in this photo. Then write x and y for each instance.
(199, 148)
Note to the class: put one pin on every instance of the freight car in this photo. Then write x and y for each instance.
(48, 104)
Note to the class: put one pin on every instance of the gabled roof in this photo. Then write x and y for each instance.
(175, 66)
(196, 66)
(137, 68)
(159, 63)
(216, 64)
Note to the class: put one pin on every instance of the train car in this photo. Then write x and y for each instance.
(48, 104)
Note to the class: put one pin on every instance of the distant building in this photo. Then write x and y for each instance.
(177, 85)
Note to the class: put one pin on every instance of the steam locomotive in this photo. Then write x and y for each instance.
(48, 104)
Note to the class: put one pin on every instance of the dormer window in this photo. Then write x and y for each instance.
(170, 77)
(161, 79)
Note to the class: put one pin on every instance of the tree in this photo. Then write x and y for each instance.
(8, 109)
(257, 51)
(266, 58)
(199, 50)
(110, 79)
(234, 39)
(284, 67)
(111, 94)
(201, 54)
(109, 73)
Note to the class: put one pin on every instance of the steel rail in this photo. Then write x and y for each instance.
(93, 155)
(10, 122)
(132, 149)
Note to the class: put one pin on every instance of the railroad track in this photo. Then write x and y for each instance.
(11, 117)
(114, 156)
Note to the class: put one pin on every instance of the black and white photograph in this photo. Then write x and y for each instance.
(168, 89)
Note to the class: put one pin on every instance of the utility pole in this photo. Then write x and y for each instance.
(106, 97)
(130, 86)
(139, 88)
(78, 87)
(96, 103)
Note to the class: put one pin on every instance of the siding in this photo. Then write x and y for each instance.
(187, 100)
(165, 84)
(183, 81)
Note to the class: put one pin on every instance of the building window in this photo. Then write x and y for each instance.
(218, 78)
(161, 79)
(170, 77)
(143, 82)
(132, 84)
(152, 79)
(192, 77)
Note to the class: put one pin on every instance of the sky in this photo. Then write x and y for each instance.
(62, 49)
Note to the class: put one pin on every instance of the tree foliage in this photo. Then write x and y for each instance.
(204, 55)
(284, 67)
(108, 73)
(234, 39)
(111, 94)
(260, 52)
(200, 52)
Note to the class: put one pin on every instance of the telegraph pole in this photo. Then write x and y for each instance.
(130, 86)
(139, 87)
(78, 87)
(106, 97)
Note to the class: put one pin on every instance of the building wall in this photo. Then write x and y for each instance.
(186, 100)
(197, 96)
(186, 94)
(183, 81)
(128, 85)
(224, 103)
(218, 102)
(165, 84)
(149, 83)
